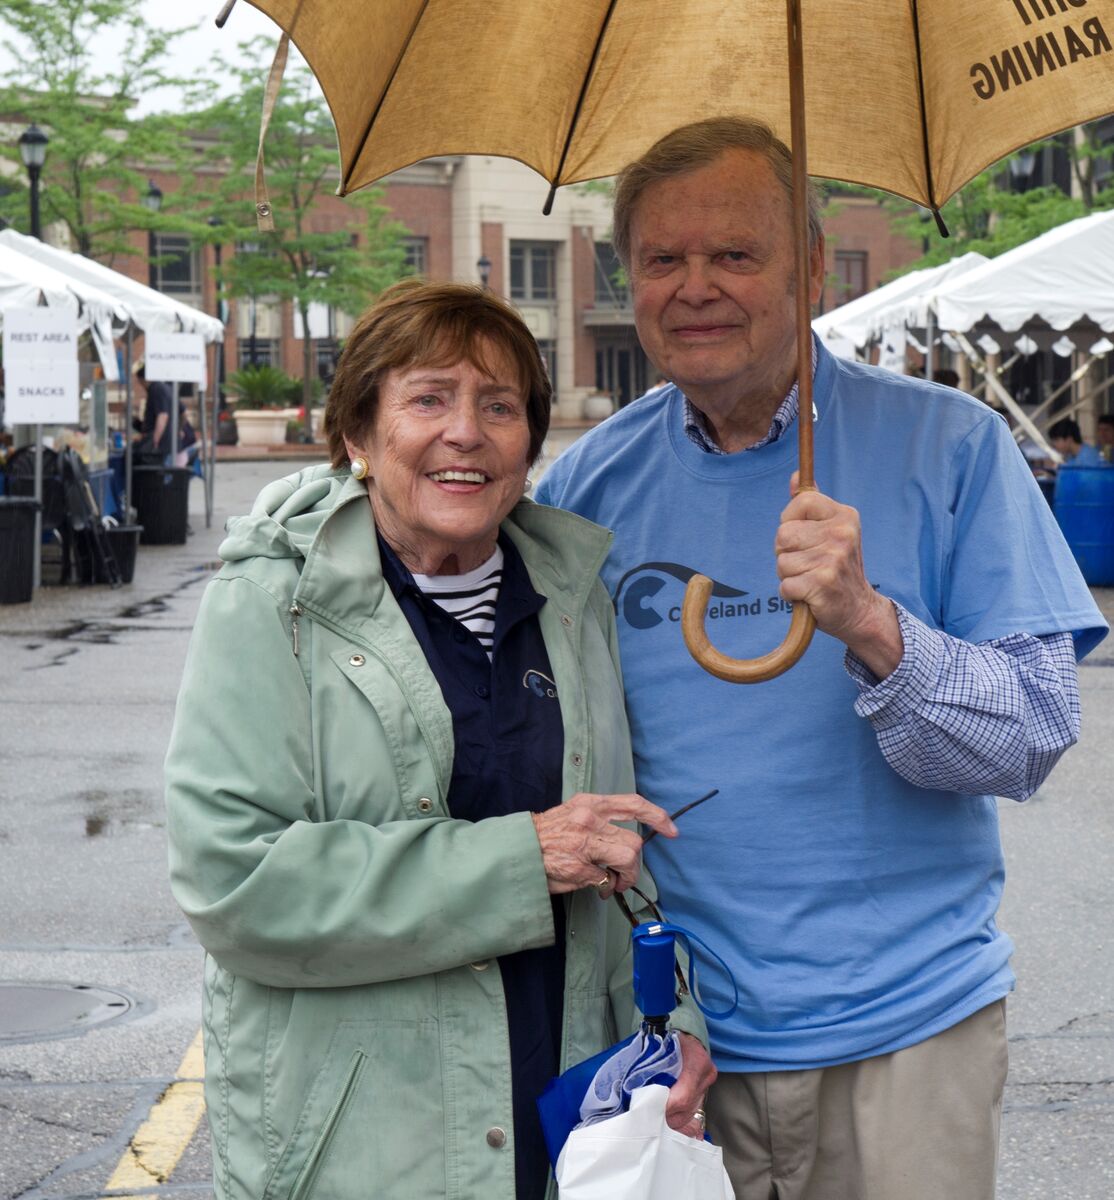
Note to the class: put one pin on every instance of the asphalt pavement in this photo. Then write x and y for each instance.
(99, 972)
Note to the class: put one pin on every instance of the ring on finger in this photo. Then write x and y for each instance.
(605, 882)
(700, 1119)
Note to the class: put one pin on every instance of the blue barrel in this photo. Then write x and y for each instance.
(1084, 508)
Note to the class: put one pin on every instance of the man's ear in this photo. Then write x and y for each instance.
(816, 270)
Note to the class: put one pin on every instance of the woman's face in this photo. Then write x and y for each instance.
(447, 459)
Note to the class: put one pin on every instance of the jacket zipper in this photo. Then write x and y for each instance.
(295, 611)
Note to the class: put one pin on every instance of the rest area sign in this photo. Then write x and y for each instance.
(41, 384)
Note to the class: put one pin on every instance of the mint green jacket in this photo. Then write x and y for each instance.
(355, 1027)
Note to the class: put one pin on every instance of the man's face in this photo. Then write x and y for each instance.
(1105, 434)
(712, 278)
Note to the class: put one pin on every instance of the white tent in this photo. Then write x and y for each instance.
(146, 308)
(141, 308)
(24, 281)
(854, 323)
(1062, 281)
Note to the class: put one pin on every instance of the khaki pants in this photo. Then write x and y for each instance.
(918, 1124)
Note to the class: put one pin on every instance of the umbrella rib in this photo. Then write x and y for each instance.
(924, 124)
(548, 206)
(387, 86)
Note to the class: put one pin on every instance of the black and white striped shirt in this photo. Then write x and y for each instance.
(470, 598)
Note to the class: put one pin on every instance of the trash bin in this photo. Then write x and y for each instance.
(161, 496)
(123, 541)
(1084, 508)
(17, 548)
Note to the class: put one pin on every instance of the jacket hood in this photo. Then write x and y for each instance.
(286, 516)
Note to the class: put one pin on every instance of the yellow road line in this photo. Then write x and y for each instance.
(161, 1140)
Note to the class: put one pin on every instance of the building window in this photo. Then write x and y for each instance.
(267, 352)
(176, 270)
(850, 269)
(415, 252)
(533, 271)
(548, 348)
(611, 288)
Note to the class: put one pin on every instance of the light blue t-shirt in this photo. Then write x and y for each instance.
(856, 910)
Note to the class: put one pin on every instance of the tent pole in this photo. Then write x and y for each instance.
(1071, 381)
(175, 408)
(211, 476)
(995, 385)
(930, 346)
(37, 552)
(128, 416)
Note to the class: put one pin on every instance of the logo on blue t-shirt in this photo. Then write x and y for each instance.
(652, 592)
(541, 685)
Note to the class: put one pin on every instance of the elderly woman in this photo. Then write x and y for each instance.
(398, 766)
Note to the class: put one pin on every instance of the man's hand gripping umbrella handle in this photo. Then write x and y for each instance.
(699, 589)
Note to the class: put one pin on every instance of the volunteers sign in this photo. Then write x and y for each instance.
(175, 357)
(40, 367)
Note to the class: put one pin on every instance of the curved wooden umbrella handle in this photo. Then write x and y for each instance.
(740, 670)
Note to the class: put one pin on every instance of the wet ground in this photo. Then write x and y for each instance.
(87, 684)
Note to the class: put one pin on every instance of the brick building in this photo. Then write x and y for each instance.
(469, 216)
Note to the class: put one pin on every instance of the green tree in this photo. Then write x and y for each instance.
(93, 179)
(988, 217)
(299, 261)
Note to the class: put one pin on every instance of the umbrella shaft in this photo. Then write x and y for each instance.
(807, 478)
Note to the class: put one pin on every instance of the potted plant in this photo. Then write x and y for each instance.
(261, 397)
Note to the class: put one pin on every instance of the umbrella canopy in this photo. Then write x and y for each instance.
(858, 320)
(914, 97)
(145, 307)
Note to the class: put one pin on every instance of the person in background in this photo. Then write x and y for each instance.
(850, 869)
(1104, 436)
(395, 785)
(1066, 437)
(154, 434)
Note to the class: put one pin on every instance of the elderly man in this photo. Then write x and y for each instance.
(850, 869)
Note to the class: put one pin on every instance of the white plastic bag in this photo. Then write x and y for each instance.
(636, 1156)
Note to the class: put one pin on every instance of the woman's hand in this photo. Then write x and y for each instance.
(581, 845)
(684, 1110)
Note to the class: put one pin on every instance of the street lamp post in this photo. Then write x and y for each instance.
(251, 248)
(152, 202)
(483, 265)
(215, 223)
(32, 150)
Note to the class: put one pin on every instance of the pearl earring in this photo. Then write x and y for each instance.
(359, 468)
(527, 486)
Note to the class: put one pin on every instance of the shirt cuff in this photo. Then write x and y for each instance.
(885, 703)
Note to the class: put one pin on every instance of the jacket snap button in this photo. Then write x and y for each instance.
(482, 965)
(566, 620)
(357, 660)
(577, 760)
(425, 804)
(496, 1137)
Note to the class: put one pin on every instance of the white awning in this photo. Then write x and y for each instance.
(859, 321)
(145, 307)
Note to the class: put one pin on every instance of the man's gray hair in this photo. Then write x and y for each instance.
(698, 145)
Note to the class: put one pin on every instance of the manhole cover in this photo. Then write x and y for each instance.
(33, 1011)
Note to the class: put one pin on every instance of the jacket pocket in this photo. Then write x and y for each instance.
(373, 1117)
(307, 1176)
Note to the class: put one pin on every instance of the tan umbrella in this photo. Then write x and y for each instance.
(912, 96)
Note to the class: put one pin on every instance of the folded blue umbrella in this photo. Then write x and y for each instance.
(600, 1087)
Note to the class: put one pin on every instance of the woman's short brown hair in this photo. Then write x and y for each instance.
(435, 324)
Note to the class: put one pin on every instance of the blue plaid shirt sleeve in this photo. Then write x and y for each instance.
(987, 718)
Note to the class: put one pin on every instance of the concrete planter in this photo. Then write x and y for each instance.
(263, 426)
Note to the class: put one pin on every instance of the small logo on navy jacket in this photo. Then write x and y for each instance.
(541, 685)
(652, 593)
